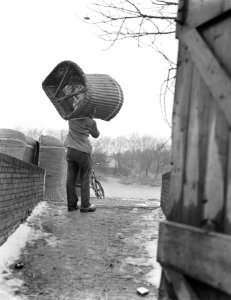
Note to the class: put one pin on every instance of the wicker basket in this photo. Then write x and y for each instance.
(52, 157)
(31, 151)
(75, 94)
(12, 142)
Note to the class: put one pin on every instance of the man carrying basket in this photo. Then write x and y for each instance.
(78, 157)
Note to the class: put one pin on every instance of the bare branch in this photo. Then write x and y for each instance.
(145, 21)
(167, 86)
(163, 2)
(118, 19)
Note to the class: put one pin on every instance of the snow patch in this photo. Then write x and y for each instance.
(154, 275)
(137, 261)
(10, 252)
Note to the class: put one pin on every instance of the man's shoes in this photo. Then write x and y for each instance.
(90, 208)
(73, 208)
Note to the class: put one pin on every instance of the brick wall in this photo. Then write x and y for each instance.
(21, 188)
(165, 191)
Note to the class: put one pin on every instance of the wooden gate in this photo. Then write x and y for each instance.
(194, 242)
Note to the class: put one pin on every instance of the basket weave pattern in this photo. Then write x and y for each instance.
(6, 133)
(75, 94)
(12, 142)
(53, 158)
(12, 147)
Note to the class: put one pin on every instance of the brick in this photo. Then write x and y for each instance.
(21, 187)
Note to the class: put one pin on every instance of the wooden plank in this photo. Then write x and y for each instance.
(198, 253)
(195, 169)
(206, 104)
(165, 291)
(179, 133)
(179, 136)
(217, 37)
(207, 292)
(201, 11)
(181, 287)
(214, 193)
(210, 69)
(227, 212)
(190, 211)
(181, 12)
(218, 40)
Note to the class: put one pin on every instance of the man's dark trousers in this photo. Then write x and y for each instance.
(78, 162)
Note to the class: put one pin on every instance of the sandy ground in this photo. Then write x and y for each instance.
(107, 254)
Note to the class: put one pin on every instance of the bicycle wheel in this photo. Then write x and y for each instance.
(98, 189)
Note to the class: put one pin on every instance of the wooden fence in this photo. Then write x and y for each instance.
(194, 242)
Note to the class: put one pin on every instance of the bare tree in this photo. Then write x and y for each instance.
(34, 133)
(119, 145)
(59, 134)
(101, 150)
(150, 149)
(142, 20)
(102, 144)
(146, 21)
(139, 158)
(161, 162)
(142, 155)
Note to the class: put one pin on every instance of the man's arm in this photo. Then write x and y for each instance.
(94, 130)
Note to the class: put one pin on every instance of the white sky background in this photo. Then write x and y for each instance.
(38, 34)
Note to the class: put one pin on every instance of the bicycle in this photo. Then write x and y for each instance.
(96, 185)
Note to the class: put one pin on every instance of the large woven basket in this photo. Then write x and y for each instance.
(31, 151)
(12, 142)
(52, 157)
(75, 94)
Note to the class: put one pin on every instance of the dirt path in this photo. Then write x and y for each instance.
(104, 255)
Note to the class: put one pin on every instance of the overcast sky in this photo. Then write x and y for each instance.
(38, 34)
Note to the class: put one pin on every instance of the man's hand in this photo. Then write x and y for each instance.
(94, 130)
